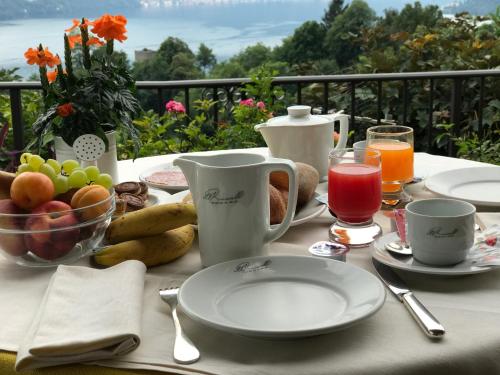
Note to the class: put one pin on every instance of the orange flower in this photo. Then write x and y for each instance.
(110, 27)
(74, 39)
(41, 57)
(52, 75)
(77, 23)
(95, 41)
(65, 110)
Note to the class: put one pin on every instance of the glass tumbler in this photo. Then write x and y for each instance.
(395, 144)
(354, 195)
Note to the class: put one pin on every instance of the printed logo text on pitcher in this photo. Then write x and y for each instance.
(214, 197)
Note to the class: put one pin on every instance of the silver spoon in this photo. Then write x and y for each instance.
(398, 247)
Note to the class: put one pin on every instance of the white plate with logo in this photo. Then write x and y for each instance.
(281, 296)
(407, 263)
(312, 209)
(477, 185)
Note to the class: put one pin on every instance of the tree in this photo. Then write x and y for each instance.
(205, 57)
(253, 56)
(228, 69)
(171, 47)
(342, 40)
(410, 17)
(335, 8)
(305, 45)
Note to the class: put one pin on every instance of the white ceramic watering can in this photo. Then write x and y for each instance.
(303, 137)
(231, 195)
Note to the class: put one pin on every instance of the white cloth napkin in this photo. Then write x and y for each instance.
(86, 314)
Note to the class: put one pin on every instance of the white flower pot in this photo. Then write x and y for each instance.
(108, 163)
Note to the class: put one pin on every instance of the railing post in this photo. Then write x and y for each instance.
(379, 101)
(456, 110)
(299, 93)
(16, 109)
(186, 99)
(325, 98)
(480, 109)
(405, 102)
(431, 115)
(216, 105)
(353, 104)
(161, 107)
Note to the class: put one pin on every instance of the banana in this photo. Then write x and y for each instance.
(150, 221)
(152, 251)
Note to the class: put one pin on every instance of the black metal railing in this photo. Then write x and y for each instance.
(352, 80)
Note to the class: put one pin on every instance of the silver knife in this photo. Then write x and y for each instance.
(398, 287)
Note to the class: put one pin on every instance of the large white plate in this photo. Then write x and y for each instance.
(311, 210)
(158, 168)
(478, 185)
(407, 263)
(281, 296)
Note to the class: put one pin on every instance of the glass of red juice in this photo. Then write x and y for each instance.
(354, 195)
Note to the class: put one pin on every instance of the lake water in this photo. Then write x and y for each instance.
(225, 29)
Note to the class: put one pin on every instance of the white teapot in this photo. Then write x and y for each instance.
(303, 137)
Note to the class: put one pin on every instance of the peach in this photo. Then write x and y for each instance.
(56, 241)
(13, 244)
(88, 196)
(31, 189)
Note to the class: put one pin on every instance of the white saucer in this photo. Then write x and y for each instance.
(407, 263)
(477, 185)
(281, 296)
(311, 210)
(158, 168)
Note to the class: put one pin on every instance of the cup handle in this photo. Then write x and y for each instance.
(344, 129)
(288, 166)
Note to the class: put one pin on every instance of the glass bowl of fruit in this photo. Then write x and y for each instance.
(52, 218)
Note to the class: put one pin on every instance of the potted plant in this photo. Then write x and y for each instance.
(92, 94)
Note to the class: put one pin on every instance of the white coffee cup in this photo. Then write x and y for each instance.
(440, 231)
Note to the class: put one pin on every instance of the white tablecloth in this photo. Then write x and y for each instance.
(388, 343)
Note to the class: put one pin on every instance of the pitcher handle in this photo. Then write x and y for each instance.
(288, 166)
(344, 129)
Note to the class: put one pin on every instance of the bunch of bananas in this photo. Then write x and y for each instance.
(154, 235)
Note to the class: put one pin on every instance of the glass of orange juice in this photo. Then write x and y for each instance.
(395, 144)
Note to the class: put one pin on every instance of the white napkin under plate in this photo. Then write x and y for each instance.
(86, 315)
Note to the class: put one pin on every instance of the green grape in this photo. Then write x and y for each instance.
(105, 180)
(61, 184)
(54, 164)
(25, 157)
(24, 168)
(35, 161)
(69, 165)
(77, 179)
(92, 172)
(48, 171)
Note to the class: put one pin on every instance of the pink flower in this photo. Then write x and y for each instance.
(261, 105)
(177, 107)
(247, 102)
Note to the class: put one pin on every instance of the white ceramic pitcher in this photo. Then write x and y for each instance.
(303, 137)
(231, 195)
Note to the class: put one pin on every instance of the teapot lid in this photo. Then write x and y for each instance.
(299, 115)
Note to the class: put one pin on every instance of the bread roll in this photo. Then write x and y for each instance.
(277, 205)
(308, 178)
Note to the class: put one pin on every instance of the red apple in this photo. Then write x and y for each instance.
(11, 243)
(58, 242)
(31, 189)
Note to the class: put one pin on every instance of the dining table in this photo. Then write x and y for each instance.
(389, 342)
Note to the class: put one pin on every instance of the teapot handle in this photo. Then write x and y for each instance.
(344, 129)
(275, 164)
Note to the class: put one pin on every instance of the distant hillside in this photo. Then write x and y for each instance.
(16, 9)
(479, 7)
